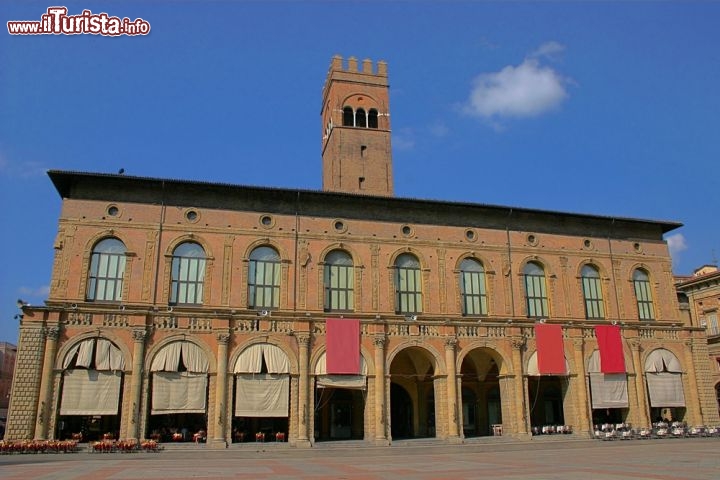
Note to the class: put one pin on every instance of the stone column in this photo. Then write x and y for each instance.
(380, 425)
(643, 415)
(452, 404)
(46, 383)
(303, 340)
(692, 401)
(219, 440)
(582, 407)
(139, 335)
(518, 344)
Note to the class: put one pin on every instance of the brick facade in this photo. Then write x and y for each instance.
(436, 373)
(700, 303)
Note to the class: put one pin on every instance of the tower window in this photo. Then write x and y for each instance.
(348, 117)
(372, 118)
(360, 118)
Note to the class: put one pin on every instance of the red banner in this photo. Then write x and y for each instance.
(343, 346)
(612, 359)
(550, 349)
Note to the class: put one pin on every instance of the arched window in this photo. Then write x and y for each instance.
(472, 287)
(535, 290)
(643, 295)
(373, 118)
(408, 285)
(264, 278)
(360, 118)
(592, 292)
(348, 117)
(107, 269)
(339, 281)
(188, 274)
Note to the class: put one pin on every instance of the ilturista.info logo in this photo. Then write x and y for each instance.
(57, 22)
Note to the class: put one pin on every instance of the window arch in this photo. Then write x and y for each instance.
(264, 278)
(372, 118)
(592, 292)
(339, 281)
(107, 269)
(188, 274)
(472, 287)
(535, 290)
(643, 295)
(408, 284)
(348, 117)
(360, 118)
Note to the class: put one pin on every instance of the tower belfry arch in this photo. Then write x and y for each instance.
(356, 150)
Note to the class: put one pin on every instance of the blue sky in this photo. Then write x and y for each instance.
(594, 107)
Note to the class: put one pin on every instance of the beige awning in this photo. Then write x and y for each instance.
(90, 392)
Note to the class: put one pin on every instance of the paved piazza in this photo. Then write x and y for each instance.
(691, 459)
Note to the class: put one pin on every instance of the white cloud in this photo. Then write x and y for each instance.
(519, 91)
(549, 50)
(486, 44)
(24, 169)
(438, 129)
(527, 90)
(38, 292)
(676, 243)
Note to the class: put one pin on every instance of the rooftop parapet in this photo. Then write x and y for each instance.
(338, 64)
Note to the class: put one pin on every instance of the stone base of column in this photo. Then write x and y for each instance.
(455, 440)
(381, 442)
(520, 436)
(217, 444)
(301, 443)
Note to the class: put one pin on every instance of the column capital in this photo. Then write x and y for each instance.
(223, 338)
(578, 343)
(635, 345)
(450, 343)
(518, 343)
(139, 334)
(52, 333)
(303, 339)
(380, 341)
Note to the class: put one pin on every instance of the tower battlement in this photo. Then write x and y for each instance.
(354, 71)
(338, 64)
